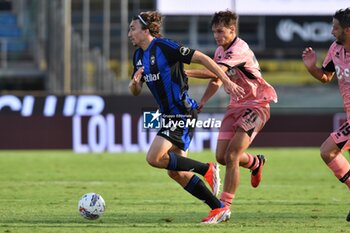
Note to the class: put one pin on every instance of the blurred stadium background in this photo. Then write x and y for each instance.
(65, 66)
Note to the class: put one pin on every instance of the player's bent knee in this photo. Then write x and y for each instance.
(326, 155)
(329, 150)
(221, 160)
(154, 162)
(175, 175)
(231, 159)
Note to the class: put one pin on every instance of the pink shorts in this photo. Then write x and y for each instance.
(341, 136)
(251, 120)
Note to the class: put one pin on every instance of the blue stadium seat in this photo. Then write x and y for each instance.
(10, 31)
(16, 46)
(7, 18)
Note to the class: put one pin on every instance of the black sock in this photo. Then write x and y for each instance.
(180, 163)
(345, 177)
(198, 189)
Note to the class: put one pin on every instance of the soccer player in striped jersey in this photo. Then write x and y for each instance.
(245, 115)
(158, 62)
(337, 61)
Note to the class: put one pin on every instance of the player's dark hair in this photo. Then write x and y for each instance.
(151, 20)
(227, 18)
(343, 16)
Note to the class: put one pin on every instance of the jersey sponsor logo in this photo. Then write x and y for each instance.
(184, 51)
(342, 73)
(151, 77)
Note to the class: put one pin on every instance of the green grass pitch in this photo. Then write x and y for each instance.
(39, 192)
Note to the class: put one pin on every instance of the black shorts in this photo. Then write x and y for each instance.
(179, 129)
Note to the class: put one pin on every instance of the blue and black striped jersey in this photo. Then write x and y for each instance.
(165, 76)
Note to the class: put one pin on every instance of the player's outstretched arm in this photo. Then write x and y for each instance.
(200, 74)
(212, 88)
(230, 87)
(310, 59)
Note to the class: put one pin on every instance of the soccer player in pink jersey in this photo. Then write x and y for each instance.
(337, 61)
(246, 114)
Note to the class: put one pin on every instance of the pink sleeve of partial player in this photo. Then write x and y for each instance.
(328, 57)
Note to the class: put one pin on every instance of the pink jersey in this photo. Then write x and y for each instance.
(245, 74)
(338, 61)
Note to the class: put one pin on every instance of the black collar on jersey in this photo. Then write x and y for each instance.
(234, 40)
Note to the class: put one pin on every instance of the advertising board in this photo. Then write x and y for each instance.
(94, 123)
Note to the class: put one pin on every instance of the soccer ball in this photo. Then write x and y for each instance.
(91, 206)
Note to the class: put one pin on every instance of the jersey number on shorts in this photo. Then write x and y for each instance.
(345, 129)
(250, 116)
